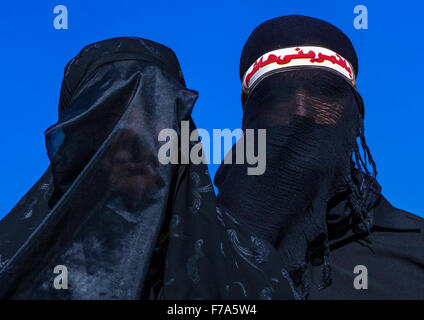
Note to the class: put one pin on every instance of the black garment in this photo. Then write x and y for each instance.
(393, 254)
(312, 200)
(318, 203)
(311, 129)
(124, 225)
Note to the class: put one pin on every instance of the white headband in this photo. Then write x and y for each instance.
(293, 58)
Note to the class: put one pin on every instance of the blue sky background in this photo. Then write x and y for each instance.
(207, 37)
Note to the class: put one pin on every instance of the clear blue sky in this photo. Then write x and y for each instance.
(207, 37)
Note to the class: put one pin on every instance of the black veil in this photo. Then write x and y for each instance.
(124, 225)
(312, 121)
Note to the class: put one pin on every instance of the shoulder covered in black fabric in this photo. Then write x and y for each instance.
(387, 216)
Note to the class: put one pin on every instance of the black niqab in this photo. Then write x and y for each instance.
(312, 121)
(124, 225)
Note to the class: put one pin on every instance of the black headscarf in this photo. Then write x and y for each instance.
(124, 225)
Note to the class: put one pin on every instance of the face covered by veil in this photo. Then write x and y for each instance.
(124, 225)
(299, 84)
(312, 120)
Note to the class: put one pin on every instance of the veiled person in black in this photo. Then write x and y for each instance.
(123, 224)
(318, 202)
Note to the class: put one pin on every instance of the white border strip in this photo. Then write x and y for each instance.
(277, 60)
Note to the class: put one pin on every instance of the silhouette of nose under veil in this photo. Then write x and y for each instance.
(312, 121)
